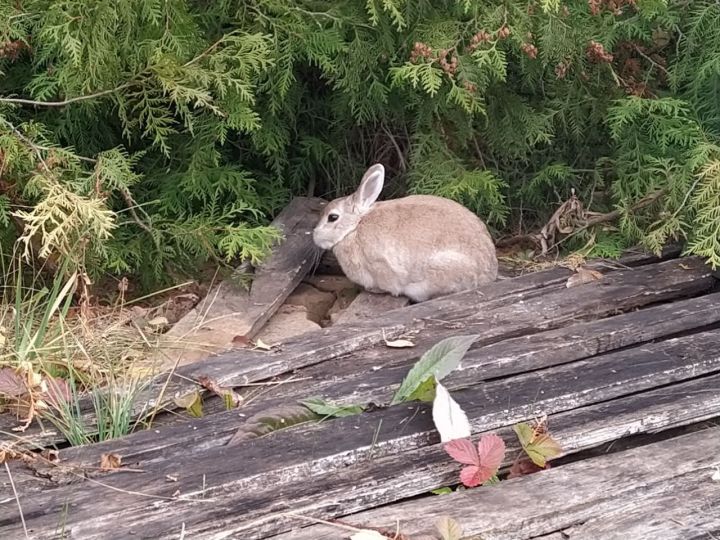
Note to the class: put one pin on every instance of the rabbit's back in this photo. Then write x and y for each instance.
(419, 246)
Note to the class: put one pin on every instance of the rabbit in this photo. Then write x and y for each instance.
(419, 246)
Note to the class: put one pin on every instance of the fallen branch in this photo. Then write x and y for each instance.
(567, 211)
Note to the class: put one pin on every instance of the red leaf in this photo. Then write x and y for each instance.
(484, 460)
(462, 450)
(491, 450)
(474, 476)
(241, 341)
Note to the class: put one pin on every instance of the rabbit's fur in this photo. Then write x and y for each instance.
(419, 246)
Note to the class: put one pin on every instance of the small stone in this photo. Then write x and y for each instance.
(316, 302)
(288, 322)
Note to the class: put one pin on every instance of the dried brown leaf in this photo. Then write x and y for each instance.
(262, 346)
(51, 456)
(12, 384)
(524, 466)
(448, 528)
(241, 341)
(583, 276)
(192, 402)
(158, 322)
(110, 461)
(57, 393)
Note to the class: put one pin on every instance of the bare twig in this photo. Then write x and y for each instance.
(17, 500)
(653, 62)
(63, 103)
(131, 204)
(400, 155)
(615, 214)
(597, 219)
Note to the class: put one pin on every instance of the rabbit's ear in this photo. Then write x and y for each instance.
(370, 187)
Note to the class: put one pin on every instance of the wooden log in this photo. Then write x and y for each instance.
(619, 495)
(545, 350)
(502, 310)
(229, 310)
(380, 457)
(370, 374)
(687, 509)
(337, 341)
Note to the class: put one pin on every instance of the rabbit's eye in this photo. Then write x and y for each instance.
(333, 217)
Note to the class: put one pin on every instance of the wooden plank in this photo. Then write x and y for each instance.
(687, 510)
(678, 405)
(601, 419)
(325, 344)
(341, 380)
(380, 457)
(514, 356)
(545, 350)
(371, 375)
(229, 310)
(368, 306)
(602, 488)
(501, 310)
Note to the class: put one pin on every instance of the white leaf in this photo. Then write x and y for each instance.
(366, 534)
(400, 344)
(450, 420)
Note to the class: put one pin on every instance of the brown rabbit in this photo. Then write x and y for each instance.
(419, 246)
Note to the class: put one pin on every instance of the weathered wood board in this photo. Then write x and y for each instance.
(229, 310)
(663, 490)
(687, 509)
(381, 457)
(499, 311)
(635, 353)
(515, 307)
(491, 362)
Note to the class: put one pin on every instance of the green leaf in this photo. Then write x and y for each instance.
(442, 491)
(327, 409)
(492, 480)
(440, 360)
(425, 391)
(539, 447)
(192, 403)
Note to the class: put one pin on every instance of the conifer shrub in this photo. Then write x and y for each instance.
(140, 136)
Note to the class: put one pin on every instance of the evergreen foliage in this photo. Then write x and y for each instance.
(138, 136)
